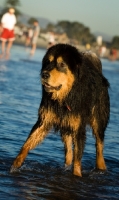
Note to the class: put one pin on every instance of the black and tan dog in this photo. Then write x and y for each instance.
(74, 94)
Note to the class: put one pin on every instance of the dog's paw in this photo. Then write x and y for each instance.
(13, 169)
(67, 167)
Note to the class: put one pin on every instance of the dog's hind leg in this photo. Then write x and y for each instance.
(36, 136)
(99, 135)
(67, 139)
(100, 162)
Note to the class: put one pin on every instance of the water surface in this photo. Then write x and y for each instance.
(43, 176)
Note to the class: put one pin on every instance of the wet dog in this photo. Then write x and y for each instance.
(74, 94)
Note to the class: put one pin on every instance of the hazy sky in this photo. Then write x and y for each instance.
(98, 15)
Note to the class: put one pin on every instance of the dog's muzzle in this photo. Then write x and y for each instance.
(45, 76)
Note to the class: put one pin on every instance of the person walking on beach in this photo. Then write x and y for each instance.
(36, 31)
(51, 39)
(8, 22)
(29, 37)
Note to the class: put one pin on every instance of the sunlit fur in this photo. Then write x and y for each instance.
(74, 94)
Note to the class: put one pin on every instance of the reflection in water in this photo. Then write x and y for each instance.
(3, 69)
(43, 175)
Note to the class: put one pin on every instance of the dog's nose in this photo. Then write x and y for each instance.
(45, 75)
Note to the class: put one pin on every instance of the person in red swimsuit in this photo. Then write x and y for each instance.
(8, 22)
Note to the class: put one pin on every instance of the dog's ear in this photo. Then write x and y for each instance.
(78, 61)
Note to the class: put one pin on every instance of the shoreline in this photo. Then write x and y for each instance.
(42, 44)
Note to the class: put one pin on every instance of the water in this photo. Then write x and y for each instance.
(43, 175)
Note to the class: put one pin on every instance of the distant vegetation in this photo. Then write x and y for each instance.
(31, 20)
(79, 32)
(115, 42)
(11, 3)
(74, 30)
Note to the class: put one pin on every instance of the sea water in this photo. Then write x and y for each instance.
(43, 176)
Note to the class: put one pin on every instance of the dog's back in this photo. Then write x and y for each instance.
(92, 59)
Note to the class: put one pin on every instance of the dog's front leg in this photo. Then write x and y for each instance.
(79, 142)
(36, 136)
(67, 139)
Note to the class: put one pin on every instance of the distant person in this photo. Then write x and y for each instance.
(29, 37)
(113, 54)
(36, 31)
(103, 51)
(1, 28)
(51, 39)
(8, 22)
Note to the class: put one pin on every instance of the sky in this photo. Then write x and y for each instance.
(99, 15)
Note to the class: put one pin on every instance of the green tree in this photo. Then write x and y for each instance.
(115, 42)
(76, 30)
(11, 3)
(31, 20)
(50, 27)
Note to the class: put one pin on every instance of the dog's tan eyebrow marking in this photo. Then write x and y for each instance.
(59, 59)
(51, 58)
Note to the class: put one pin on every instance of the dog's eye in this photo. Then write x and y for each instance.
(61, 64)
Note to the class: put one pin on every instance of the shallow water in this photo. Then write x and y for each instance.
(43, 176)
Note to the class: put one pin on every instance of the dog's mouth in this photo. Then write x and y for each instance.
(50, 87)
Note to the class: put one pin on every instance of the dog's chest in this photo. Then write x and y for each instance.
(68, 122)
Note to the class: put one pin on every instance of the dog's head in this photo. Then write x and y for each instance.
(59, 67)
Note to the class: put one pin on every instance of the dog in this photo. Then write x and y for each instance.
(74, 95)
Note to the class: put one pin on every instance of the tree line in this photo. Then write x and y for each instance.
(74, 30)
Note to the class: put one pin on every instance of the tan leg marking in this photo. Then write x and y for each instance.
(77, 161)
(20, 158)
(67, 139)
(100, 162)
(36, 137)
(77, 168)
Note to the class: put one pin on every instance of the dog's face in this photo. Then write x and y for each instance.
(57, 74)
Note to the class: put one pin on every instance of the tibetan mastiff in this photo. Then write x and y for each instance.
(74, 95)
